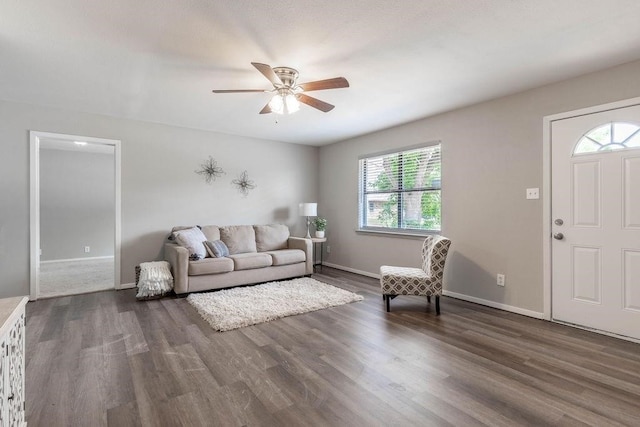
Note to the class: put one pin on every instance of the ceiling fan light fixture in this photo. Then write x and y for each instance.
(287, 93)
(291, 103)
(277, 104)
(284, 102)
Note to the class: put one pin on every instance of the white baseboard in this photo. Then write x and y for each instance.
(93, 258)
(125, 286)
(352, 270)
(493, 304)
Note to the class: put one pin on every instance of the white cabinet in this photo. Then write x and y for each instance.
(12, 330)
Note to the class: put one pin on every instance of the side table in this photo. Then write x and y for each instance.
(314, 242)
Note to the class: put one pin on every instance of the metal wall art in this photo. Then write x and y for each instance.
(244, 184)
(210, 170)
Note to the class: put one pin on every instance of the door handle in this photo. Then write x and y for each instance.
(558, 236)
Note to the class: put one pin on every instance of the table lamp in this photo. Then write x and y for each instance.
(308, 209)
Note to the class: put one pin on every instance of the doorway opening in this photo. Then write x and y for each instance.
(75, 214)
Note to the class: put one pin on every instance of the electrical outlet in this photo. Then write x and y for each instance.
(533, 193)
(328, 249)
(87, 249)
(500, 279)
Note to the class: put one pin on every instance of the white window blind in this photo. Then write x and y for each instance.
(401, 190)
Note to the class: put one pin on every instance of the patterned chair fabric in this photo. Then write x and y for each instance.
(415, 281)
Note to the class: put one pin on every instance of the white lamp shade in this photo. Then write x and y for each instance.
(308, 209)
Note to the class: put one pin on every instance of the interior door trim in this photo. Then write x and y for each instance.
(546, 187)
(34, 211)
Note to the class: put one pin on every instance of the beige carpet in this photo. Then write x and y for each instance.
(75, 277)
(238, 307)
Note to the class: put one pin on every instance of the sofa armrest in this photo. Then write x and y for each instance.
(306, 246)
(178, 257)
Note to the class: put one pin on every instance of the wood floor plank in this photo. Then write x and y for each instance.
(124, 415)
(107, 359)
(463, 401)
(55, 323)
(248, 407)
(116, 383)
(134, 339)
(88, 396)
(148, 389)
(38, 378)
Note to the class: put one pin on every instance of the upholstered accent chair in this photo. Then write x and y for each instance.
(426, 281)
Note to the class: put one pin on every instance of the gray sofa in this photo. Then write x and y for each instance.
(257, 253)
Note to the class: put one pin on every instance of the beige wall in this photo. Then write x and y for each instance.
(492, 152)
(159, 186)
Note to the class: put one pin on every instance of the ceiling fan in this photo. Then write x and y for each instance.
(288, 93)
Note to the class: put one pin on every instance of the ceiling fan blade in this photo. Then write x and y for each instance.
(266, 109)
(268, 72)
(335, 83)
(237, 90)
(315, 103)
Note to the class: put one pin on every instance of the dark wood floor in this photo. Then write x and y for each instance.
(105, 359)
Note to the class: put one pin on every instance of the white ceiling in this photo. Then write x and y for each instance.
(158, 60)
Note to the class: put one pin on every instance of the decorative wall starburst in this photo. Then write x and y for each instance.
(244, 184)
(210, 170)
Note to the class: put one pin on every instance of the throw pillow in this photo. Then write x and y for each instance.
(172, 238)
(216, 248)
(193, 239)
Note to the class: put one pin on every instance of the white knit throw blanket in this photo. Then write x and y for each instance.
(155, 279)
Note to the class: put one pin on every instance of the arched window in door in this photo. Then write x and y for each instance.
(609, 137)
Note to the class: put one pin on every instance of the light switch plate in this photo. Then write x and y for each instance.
(533, 193)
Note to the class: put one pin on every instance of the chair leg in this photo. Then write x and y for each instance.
(388, 306)
(437, 305)
(429, 299)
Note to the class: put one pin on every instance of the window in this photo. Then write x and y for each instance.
(400, 191)
(608, 137)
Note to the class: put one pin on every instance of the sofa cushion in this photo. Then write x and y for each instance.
(248, 261)
(193, 239)
(211, 231)
(216, 248)
(287, 256)
(239, 239)
(271, 237)
(210, 266)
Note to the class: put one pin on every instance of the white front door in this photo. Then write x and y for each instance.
(595, 212)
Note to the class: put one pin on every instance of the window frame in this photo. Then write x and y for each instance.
(603, 149)
(363, 205)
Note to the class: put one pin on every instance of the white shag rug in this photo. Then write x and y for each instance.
(238, 307)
